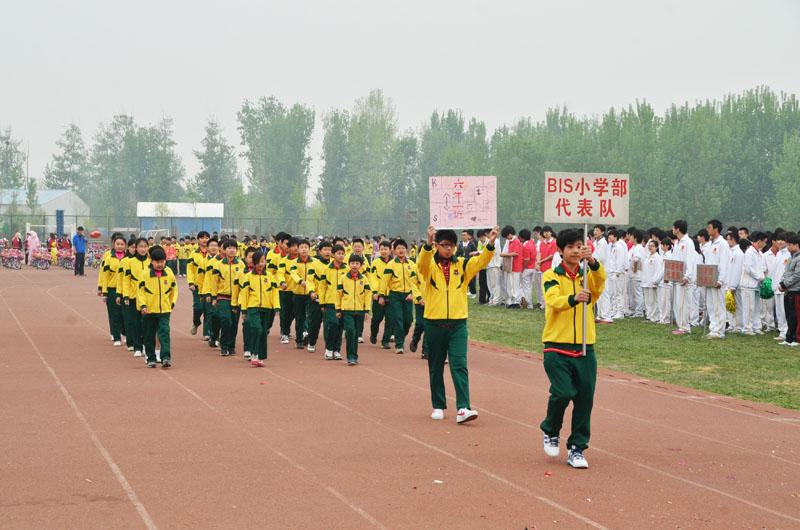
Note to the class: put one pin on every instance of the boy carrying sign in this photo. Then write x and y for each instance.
(572, 375)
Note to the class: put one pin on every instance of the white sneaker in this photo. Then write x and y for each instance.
(438, 414)
(130, 348)
(576, 459)
(216, 343)
(337, 356)
(137, 354)
(158, 356)
(780, 337)
(465, 415)
(206, 338)
(328, 355)
(112, 337)
(360, 340)
(784, 343)
(305, 335)
(551, 445)
(311, 349)
(284, 339)
(793, 344)
(117, 344)
(247, 355)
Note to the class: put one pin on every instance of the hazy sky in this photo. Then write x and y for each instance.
(85, 61)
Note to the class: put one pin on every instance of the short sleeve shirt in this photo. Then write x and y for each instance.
(529, 253)
(546, 250)
(515, 246)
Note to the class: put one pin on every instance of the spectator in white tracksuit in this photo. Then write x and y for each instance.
(775, 273)
(752, 276)
(652, 274)
(601, 254)
(703, 246)
(733, 278)
(637, 256)
(684, 290)
(665, 287)
(717, 253)
(615, 268)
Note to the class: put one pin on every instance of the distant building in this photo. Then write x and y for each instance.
(47, 203)
(181, 218)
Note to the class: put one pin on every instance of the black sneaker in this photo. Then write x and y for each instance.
(300, 346)
(373, 339)
(151, 364)
(385, 345)
(413, 345)
(212, 343)
(231, 353)
(223, 353)
(424, 355)
(165, 363)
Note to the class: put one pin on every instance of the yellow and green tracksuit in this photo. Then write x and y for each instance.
(211, 323)
(134, 269)
(110, 284)
(379, 312)
(303, 275)
(158, 293)
(446, 311)
(572, 375)
(354, 297)
(327, 285)
(195, 274)
(314, 309)
(259, 299)
(398, 282)
(283, 276)
(224, 289)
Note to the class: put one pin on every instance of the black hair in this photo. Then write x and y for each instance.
(715, 224)
(525, 234)
(681, 225)
(470, 232)
(779, 236)
(257, 255)
(283, 236)
(667, 242)
(537, 229)
(745, 243)
(480, 233)
(292, 241)
(385, 243)
(248, 250)
(357, 240)
(399, 242)
(758, 236)
(131, 242)
(355, 257)
(638, 235)
(507, 230)
(80, 228)
(181, 239)
(613, 232)
(304, 242)
(229, 243)
(733, 235)
(448, 235)
(157, 253)
(116, 236)
(203, 233)
(567, 237)
(324, 244)
(213, 240)
(793, 239)
(337, 248)
(548, 228)
(703, 233)
(746, 231)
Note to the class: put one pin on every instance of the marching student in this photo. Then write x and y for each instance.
(211, 323)
(357, 248)
(327, 290)
(240, 280)
(419, 319)
(353, 299)
(752, 276)
(183, 254)
(684, 251)
(717, 252)
(528, 268)
(733, 279)
(196, 272)
(303, 274)
(775, 273)
(158, 293)
(397, 290)
(223, 286)
(287, 285)
(572, 375)
(652, 274)
(380, 312)
(314, 312)
(514, 276)
(130, 252)
(110, 286)
(790, 287)
(135, 269)
(259, 300)
(665, 287)
(443, 277)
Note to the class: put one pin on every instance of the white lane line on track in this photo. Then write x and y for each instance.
(613, 455)
(360, 511)
(148, 521)
(467, 463)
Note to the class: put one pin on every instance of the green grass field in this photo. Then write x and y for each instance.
(752, 368)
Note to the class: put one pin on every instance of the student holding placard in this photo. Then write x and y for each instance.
(717, 252)
(684, 290)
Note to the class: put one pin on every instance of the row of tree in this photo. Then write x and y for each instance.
(737, 159)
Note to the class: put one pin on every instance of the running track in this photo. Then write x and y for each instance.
(92, 438)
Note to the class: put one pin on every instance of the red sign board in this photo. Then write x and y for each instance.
(673, 270)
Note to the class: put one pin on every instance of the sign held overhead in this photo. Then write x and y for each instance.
(584, 198)
(463, 202)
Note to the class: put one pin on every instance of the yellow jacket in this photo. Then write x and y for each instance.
(195, 269)
(158, 294)
(443, 300)
(354, 294)
(209, 261)
(399, 277)
(258, 291)
(274, 260)
(563, 329)
(111, 274)
(284, 274)
(222, 279)
(135, 269)
(328, 281)
(302, 272)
